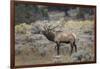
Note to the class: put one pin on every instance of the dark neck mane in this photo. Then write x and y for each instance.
(50, 36)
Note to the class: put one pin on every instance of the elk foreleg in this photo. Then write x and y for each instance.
(71, 48)
(58, 47)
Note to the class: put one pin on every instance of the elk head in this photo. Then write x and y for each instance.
(49, 32)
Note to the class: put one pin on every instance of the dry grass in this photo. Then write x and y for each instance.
(85, 33)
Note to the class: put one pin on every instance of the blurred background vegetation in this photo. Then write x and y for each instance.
(26, 13)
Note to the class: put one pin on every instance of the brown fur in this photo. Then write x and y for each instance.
(61, 37)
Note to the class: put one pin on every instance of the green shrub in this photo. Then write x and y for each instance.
(22, 28)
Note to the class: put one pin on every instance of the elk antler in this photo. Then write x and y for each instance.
(45, 27)
(54, 27)
(50, 27)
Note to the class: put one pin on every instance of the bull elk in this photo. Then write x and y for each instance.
(60, 37)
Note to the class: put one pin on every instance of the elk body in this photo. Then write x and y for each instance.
(60, 37)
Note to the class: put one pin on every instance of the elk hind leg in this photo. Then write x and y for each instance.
(75, 46)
